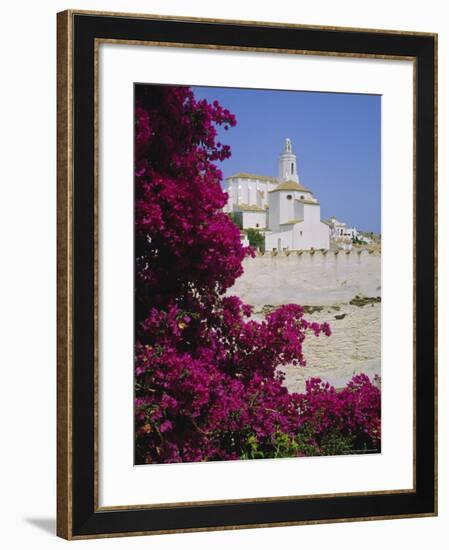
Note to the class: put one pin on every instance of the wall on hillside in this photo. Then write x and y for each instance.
(319, 278)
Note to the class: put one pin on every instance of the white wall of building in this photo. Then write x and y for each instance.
(250, 191)
(298, 210)
(310, 234)
(279, 240)
(312, 214)
(304, 195)
(300, 236)
(286, 206)
(273, 211)
(256, 220)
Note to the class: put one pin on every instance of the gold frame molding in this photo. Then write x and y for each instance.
(64, 274)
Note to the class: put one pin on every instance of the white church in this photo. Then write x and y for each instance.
(282, 208)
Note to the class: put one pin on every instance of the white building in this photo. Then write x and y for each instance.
(248, 198)
(340, 229)
(343, 236)
(282, 207)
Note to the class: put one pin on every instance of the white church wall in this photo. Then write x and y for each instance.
(233, 192)
(286, 210)
(273, 211)
(279, 240)
(312, 213)
(300, 239)
(254, 219)
(243, 192)
(304, 195)
(248, 191)
(298, 210)
(252, 192)
(309, 278)
(261, 201)
(263, 194)
(310, 234)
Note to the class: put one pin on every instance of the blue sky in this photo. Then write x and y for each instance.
(336, 138)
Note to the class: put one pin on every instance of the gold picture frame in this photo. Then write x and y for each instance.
(79, 514)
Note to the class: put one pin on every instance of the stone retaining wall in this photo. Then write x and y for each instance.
(309, 278)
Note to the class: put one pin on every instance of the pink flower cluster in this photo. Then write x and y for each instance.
(352, 413)
(206, 377)
(182, 237)
(204, 384)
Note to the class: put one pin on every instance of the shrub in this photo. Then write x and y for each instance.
(255, 238)
(342, 421)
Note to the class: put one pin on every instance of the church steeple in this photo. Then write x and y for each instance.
(287, 163)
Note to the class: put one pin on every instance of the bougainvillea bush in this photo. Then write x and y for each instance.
(207, 383)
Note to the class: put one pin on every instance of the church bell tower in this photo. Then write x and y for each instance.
(287, 163)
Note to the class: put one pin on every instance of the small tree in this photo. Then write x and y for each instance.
(255, 238)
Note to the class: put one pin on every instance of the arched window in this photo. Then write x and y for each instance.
(293, 167)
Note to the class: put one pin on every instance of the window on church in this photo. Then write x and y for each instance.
(289, 197)
(293, 167)
(302, 197)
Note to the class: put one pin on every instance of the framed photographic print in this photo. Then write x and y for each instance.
(246, 274)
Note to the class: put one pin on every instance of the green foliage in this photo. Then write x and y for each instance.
(255, 237)
(236, 217)
(330, 443)
(279, 445)
(283, 445)
(252, 449)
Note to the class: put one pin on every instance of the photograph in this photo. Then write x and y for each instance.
(257, 276)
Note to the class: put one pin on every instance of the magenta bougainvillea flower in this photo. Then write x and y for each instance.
(207, 385)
